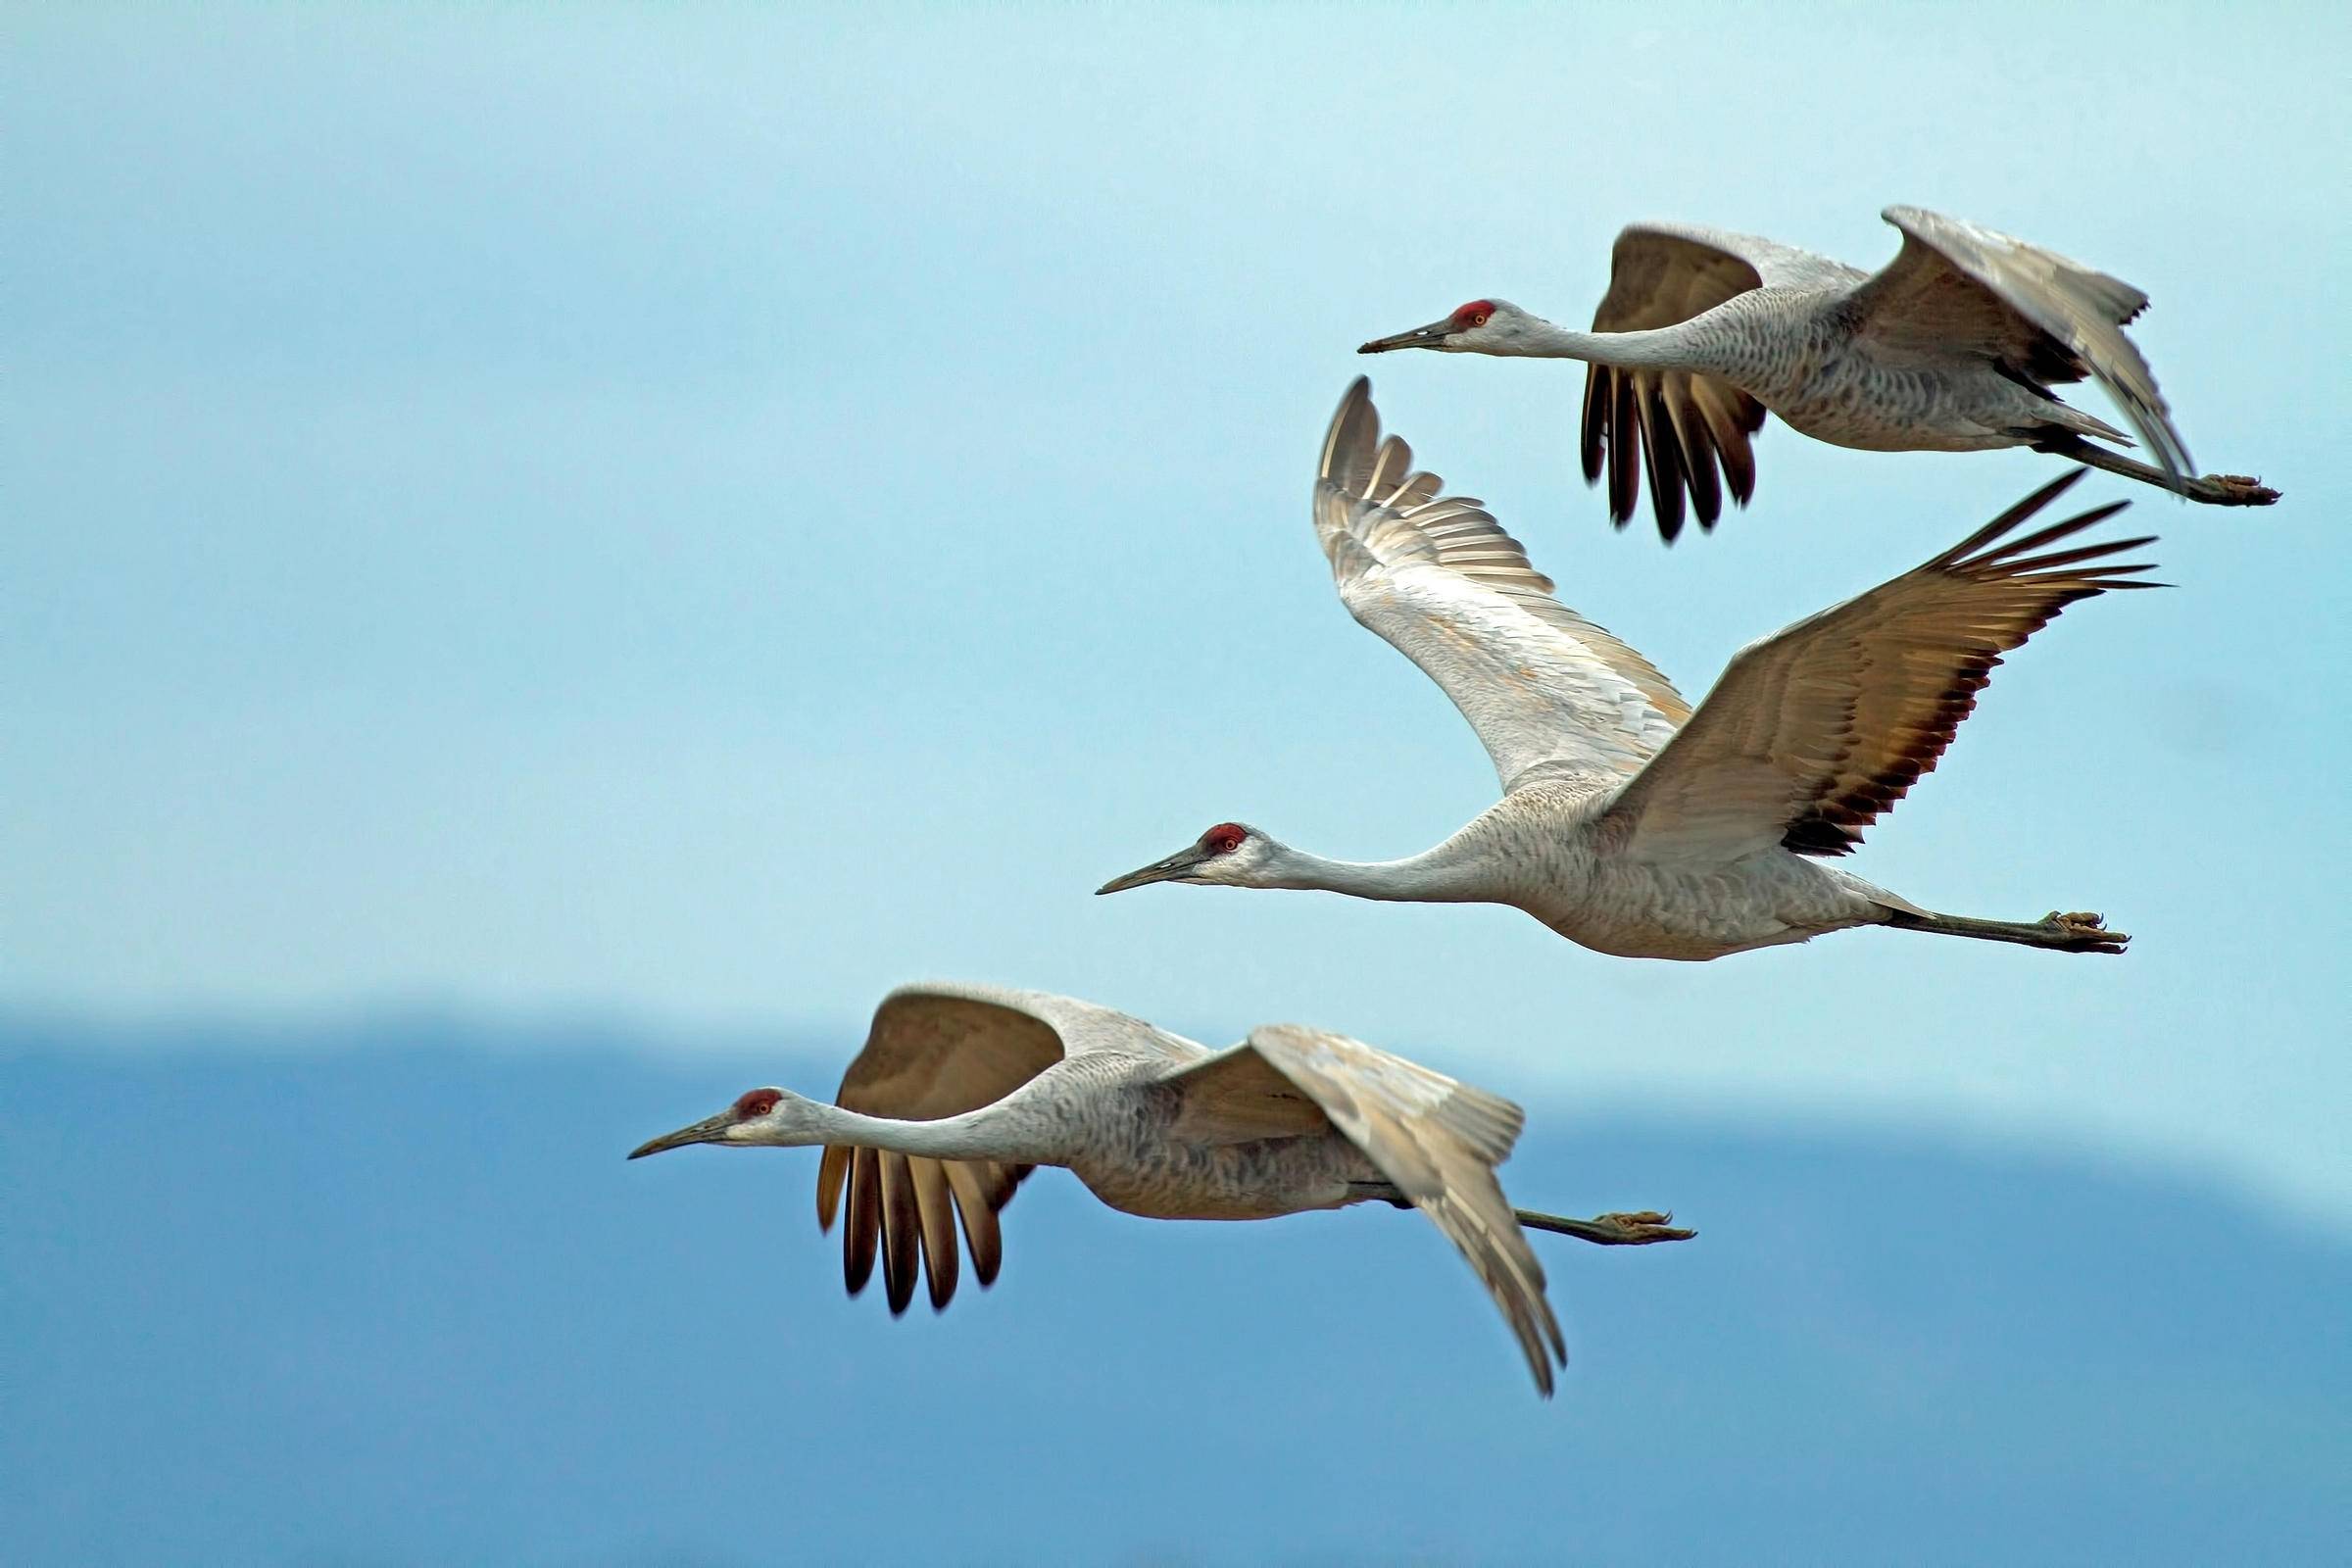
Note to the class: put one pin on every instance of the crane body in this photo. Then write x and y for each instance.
(1631, 822)
(962, 1089)
(1954, 346)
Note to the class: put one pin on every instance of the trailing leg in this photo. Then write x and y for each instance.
(1636, 1229)
(2064, 933)
(1609, 1230)
(2214, 489)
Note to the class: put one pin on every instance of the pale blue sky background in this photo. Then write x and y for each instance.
(680, 521)
(710, 516)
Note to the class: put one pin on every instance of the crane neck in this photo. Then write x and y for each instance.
(1006, 1131)
(1665, 347)
(1451, 873)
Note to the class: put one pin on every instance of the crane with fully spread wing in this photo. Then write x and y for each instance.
(1953, 346)
(1630, 821)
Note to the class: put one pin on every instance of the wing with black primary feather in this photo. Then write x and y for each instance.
(932, 1052)
(1689, 434)
(1816, 731)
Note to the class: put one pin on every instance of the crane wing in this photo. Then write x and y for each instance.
(1815, 731)
(2040, 315)
(935, 1051)
(1437, 1141)
(1685, 429)
(1438, 577)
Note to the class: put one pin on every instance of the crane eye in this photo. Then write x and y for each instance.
(1480, 320)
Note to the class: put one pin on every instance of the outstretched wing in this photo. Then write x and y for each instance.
(1438, 577)
(1686, 429)
(2042, 317)
(934, 1050)
(1816, 730)
(1437, 1141)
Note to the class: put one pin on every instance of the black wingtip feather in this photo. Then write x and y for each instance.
(1663, 455)
(2011, 549)
(2008, 519)
(1595, 422)
(2036, 500)
(863, 1224)
(901, 1226)
(2091, 552)
(1699, 459)
(1625, 443)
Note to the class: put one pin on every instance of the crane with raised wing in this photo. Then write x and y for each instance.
(1630, 821)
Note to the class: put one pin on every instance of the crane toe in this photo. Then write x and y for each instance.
(2240, 490)
(1645, 1225)
(2083, 932)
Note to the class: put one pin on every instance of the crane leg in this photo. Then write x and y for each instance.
(1609, 1230)
(1636, 1229)
(2214, 489)
(2067, 933)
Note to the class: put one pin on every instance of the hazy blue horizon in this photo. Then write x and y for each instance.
(395, 1297)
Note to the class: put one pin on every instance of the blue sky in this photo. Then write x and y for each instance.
(681, 521)
(708, 517)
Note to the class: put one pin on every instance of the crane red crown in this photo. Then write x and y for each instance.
(1225, 837)
(1474, 313)
(759, 1103)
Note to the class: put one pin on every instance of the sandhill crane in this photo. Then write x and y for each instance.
(1952, 347)
(1628, 823)
(961, 1089)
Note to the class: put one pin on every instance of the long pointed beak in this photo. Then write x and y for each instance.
(709, 1130)
(1174, 865)
(1420, 337)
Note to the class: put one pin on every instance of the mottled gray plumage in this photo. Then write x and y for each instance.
(961, 1090)
(1953, 346)
(1630, 822)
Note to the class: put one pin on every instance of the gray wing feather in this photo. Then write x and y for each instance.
(1437, 1140)
(1815, 731)
(934, 1050)
(2047, 316)
(1689, 434)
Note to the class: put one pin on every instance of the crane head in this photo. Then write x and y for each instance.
(758, 1116)
(1230, 854)
(1482, 326)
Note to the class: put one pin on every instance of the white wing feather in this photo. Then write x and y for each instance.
(1546, 691)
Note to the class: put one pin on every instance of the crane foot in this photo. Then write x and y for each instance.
(1609, 1230)
(1643, 1226)
(2082, 930)
(2234, 490)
